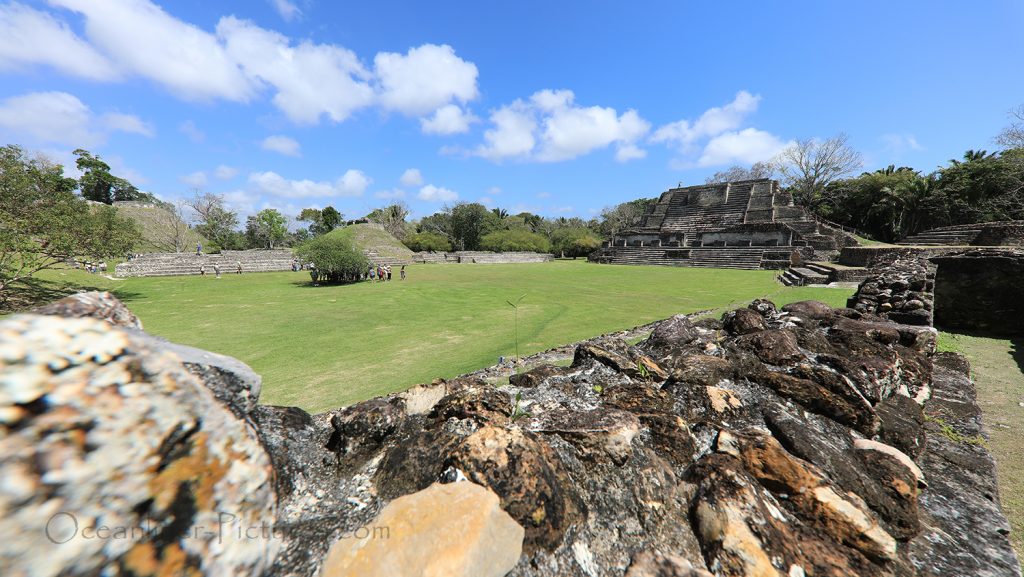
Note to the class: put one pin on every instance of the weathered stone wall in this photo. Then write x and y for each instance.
(770, 442)
(481, 257)
(900, 287)
(981, 290)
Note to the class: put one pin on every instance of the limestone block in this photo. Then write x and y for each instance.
(445, 530)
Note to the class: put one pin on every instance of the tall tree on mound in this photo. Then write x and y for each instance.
(98, 185)
(43, 224)
(469, 223)
(737, 172)
(392, 218)
(808, 166)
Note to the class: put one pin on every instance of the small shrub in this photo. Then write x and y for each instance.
(427, 241)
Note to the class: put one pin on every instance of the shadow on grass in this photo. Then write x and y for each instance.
(1017, 351)
(31, 293)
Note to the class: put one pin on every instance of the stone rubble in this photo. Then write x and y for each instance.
(782, 442)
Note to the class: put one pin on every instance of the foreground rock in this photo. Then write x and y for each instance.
(114, 458)
(773, 442)
(456, 530)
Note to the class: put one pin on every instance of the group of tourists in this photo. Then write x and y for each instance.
(91, 267)
(216, 269)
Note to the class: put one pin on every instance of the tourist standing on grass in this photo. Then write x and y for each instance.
(202, 270)
(239, 267)
(373, 275)
(216, 270)
(401, 272)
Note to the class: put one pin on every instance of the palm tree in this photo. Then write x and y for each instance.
(501, 213)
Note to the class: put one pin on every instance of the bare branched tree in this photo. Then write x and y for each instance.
(809, 165)
(737, 172)
(392, 218)
(1013, 135)
(170, 231)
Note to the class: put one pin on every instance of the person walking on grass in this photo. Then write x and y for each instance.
(202, 270)
(401, 272)
(216, 270)
(239, 267)
(373, 275)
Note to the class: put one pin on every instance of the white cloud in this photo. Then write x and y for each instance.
(486, 201)
(424, 79)
(450, 119)
(393, 194)
(281, 144)
(900, 143)
(224, 172)
(543, 195)
(551, 128)
(29, 36)
(436, 194)
(512, 135)
(145, 40)
(288, 10)
(116, 121)
(716, 139)
(712, 122)
(195, 180)
(311, 80)
(411, 177)
(628, 152)
(494, 191)
(189, 129)
(352, 183)
(59, 117)
(746, 146)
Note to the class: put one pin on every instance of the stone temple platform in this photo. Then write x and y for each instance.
(747, 224)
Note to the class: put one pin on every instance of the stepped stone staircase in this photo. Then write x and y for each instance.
(183, 263)
(821, 273)
(946, 236)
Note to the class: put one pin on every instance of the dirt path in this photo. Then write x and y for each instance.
(998, 369)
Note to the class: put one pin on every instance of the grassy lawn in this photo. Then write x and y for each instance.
(323, 347)
(998, 370)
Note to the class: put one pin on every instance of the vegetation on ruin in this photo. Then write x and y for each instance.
(322, 347)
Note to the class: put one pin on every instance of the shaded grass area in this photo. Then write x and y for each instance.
(997, 366)
(323, 347)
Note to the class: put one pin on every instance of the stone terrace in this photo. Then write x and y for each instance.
(481, 257)
(742, 224)
(183, 263)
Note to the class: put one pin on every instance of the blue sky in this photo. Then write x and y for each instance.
(560, 108)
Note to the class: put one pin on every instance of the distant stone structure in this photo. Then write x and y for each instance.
(747, 224)
(186, 263)
(481, 257)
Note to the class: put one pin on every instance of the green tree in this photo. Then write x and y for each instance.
(514, 240)
(469, 223)
(427, 241)
(625, 215)
(321, 221)
(266, 229)
(575, 241)
(334, 257)
(213, 220)
(43, 224)
(99, 185)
